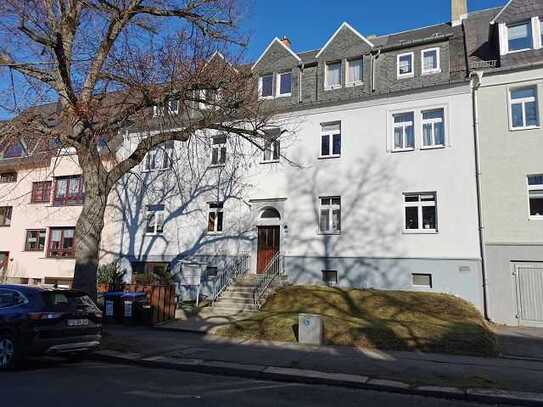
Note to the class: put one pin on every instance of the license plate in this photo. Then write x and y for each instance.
(77, 322)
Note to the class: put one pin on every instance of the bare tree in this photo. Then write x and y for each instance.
(106, 64)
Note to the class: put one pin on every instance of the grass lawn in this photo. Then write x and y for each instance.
(389, 320)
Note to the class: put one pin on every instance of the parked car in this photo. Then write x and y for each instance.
(36, 320)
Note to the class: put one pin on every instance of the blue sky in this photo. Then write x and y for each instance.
(309, 23)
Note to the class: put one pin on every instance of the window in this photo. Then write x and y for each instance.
(333, 75)
(421, 280)
(331, 140)
(519, 36)
(14, 150)
(7, 177)
(284, 84)
(433, 128)
(355, 70)
(208, 98)
(266, 86)
(159, 158)
(430, 61)
(69, 190)
(272, 151)
(5, 215)
(420, 212)
(211, 272)
(405, 65)
(41, 192)
(524, 109)
(35, 240)
(329, 277)
(10, 298)
(158, 111)
(155, 219)
(61, 242)
(218, 151)
(404, 131)
(173, 106)
(330, 215)
(215, 217)
(535, 194)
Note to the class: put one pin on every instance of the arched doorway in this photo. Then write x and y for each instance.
(268, 244)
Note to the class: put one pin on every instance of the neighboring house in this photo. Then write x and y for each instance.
(505, 48)
(367, 178)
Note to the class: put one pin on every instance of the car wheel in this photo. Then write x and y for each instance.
(8, 352)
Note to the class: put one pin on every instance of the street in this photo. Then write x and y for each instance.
(58, 383)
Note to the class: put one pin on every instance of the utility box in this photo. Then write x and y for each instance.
(310, 329)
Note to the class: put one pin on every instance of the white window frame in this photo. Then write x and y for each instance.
(167, 148)
(523, 102)
(273, 147)
(170, 110)
(278, 84)
(336, 86)
(219, 147)
(261, 87)
(508, 26)
(158, 219)
(431, 285)
(219, 208)
(403, 125)
(419, 204)
(158, 111)
(537, 187)
(330, 134)
(409, 74)
(347, 65)
(331, 207)
(437, 50)
(433, 122)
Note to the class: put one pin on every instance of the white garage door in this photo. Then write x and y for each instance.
(529, 278)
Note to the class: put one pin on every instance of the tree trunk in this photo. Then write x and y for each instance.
(88, 233)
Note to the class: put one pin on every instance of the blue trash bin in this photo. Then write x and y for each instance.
(133, 307)
(113, 311)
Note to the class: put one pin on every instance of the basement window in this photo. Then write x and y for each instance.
(329, 277)
(535, 194)
(421, 280)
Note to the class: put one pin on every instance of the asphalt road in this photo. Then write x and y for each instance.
(56, 383)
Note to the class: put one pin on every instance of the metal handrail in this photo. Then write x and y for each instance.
(232, 272)
(272, 270)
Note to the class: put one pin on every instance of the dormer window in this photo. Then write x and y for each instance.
(405, 65)
(266, 86)
(333, 75)
(519, 36)
(430, 61)
(284, 84)
(355, 70)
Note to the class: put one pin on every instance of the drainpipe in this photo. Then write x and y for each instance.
(476, 79)
(373, 64)
(300, 79)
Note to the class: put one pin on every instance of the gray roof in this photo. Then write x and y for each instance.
(480, 50)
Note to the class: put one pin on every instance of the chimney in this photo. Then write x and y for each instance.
(286, 42)
(459, 11)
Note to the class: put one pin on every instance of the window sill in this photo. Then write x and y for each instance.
(155, 170)
(329, 233)
(59, 257)
(217, 166)
(266, 97)
(153, 234)
(329, 157)
(402, 150)
(536, 218)
(286, 95)
(214, 233)
(5, 226)
(353, 84)
(420, 232)
(431, 72)
(269, 162)
(406, 76)
(335, 87)
(519, 50)
(432, 147)
(524, 128)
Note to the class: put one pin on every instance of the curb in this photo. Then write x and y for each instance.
(291, 375)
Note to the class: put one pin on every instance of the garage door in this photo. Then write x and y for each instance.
(529, 279)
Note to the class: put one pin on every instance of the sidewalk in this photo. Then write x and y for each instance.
(439, 375)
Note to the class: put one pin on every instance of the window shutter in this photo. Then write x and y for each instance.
(504, 40)
(536, 32)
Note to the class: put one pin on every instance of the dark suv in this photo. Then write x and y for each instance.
(38, 321)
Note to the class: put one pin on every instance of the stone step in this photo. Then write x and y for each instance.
(233, 309)
(233, 301)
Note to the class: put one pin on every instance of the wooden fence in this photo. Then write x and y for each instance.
(162, 298)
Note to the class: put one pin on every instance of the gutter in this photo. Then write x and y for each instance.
(413, 43)
(476, 79)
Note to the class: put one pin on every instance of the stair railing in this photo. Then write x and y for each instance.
(238, 268)
(273, 270)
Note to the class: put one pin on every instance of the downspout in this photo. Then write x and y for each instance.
(373, 69)
(476, 79)
(300, 78)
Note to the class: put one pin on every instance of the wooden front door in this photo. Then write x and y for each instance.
(268, 246)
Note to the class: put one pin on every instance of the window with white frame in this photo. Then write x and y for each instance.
(535, 195)
(420, 211)
(430, 61)
(404, 131)
(541, 32)
(421, 280)
(330, 214)
(158, 111)
(331, 140)
(524, 108)
(355, 71)
(284, 84)
(329, 277)
(5, 215)
(215, 217)
(272, 151)
(433, 128)
(405, 65)
(266, 86)
(155, 219)
(208, 98)
(218, 151)
(159, 158)
(519, 36)
(333, 75)
(173, 106)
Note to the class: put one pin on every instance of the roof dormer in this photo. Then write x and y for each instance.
(344, 43)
